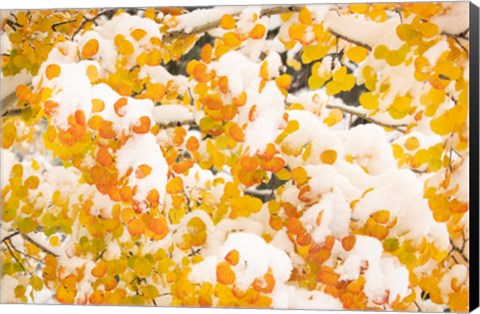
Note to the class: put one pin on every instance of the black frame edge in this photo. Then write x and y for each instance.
(474, 160)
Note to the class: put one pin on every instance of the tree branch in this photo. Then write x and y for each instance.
(350, 40)
(40, 246)
(15, 257)
(62, 23)
(363, 115)
(87, 20)
(10, 236)
(23, 253)
(174, 124)
(214, 24)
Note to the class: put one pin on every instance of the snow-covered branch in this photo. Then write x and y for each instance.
(269, 11)
(350, 40)
(365, 116)
(39, 245)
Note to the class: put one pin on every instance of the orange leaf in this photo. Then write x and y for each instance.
(159, 227)
(175, 185)
(305, 17)
(143, 171)
(227, 22)
(138, 34)
(100, 269)
(294, 226)
(135, 226)
(96, 297)
(155, 91)
(348, 242)
(240, 100)
(258, 31)
(206, 53)
(381, 216)
(192, 144)
(236, 133)
(299, 175)
(232, 257)
(90, 48)
(328, 156)
(304, 239)
(327, 276)
(225, 274)
(97, 105)
(104, 157)
(23, 92)
(248, 163)
(143, 127)
(119, 104)
(264, 284)
(284, 81)
(52, 71)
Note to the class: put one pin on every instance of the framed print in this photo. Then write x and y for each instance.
(303, 156)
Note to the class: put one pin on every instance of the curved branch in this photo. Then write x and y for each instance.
(364, 116)
(214, 24)
(10, 236)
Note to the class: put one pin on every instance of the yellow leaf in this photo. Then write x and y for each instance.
(412, 143)
(369, 101)
(244, 206)
(305, 17)
(227, 22)
(175, 185)
(328, 156)
(357, 54)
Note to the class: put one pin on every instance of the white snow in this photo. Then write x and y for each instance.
(7, 158)
(143, 149)
(189, 21)
(251, 264)
(8, 284)
(167, 114)
(453, 19)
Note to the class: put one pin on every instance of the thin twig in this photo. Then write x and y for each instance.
(15, 257)
(363, 115)
(87, 20)
(24, 254)
(62, 23)
(461, 46)
(350, 40)
(10, 236)
(214, 24)
(40, 246)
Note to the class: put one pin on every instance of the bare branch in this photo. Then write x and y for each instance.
(62, 23)
(363, 115)
(10, 236)
(214, 24)
(24, 254)
(14, 256)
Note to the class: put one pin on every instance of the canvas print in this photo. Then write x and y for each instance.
(292, 157)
